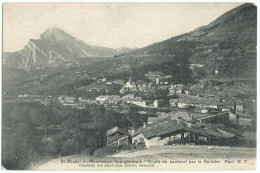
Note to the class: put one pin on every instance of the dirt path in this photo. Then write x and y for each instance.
(183, 153)
(190, 152)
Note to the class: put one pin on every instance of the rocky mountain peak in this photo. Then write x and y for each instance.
(56, 33)
(53, 49)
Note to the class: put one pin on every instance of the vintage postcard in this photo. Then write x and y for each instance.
(129, 86)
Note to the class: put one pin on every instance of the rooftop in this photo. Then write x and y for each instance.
(162, 126)
(115, 130)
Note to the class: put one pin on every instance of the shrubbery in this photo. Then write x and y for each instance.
(81, 131)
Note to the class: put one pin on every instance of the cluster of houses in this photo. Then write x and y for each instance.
(189, 119)
(158, 81)
(204, 123)
(78, 103)
(138, 86)
(128, 99)
(205, 103)
(179, 128)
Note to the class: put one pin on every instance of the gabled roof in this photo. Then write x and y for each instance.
(153, 119)
(225, 133)
(115, 130)
(174, 100)
(183, 115)
(168, 125)
(206, 116)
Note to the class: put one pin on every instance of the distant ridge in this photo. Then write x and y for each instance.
(54, 48)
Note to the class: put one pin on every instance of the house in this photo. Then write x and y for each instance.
(204, 110)
(201, 110)
(178, 91)
(175, 89)
(108, 99)
(158, 103)
(102, 98)
(228, 103)
(149, 103)
(24, 96)
(225, 109)
(168, 131)
(127, 96)
(103, 79)
(133, 86)
(129, 83)
(152, 119)
(131, 99)
(212, 118)
(207, 95)
(67, 101)
(182, 115)
(138, 137)
(140, 103)
(163, 80)
(239, 107)
(113, 99)
(173, 102)
(82, 101)
(204, 102)
(45, 102)
(140, 84)
(117, 136)
(96, 89)
(181, 104)
(152, 76)
(162, 87)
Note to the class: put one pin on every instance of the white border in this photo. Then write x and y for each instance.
(258, 63)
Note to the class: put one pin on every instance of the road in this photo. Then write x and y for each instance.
(177, 157)
(191, 152)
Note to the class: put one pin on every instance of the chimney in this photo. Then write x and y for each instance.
(179, 120)
(144, 124)
(131, 131)
(188, 123)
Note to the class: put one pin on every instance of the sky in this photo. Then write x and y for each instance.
(113, 25)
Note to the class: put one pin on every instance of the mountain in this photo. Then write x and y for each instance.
(13, 77)
(230, 40)
(54, 48)
(226, 45)
(124, 49)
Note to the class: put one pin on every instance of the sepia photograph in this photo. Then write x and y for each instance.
(129, 86)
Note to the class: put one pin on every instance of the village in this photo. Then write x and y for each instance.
(99, 86)
(171, 113)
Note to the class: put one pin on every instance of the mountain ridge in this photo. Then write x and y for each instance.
(228, 46)
(54, 48)
(231, 36)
